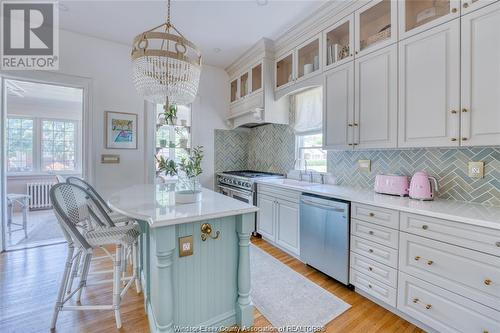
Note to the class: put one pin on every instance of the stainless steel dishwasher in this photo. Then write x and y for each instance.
(324, 235)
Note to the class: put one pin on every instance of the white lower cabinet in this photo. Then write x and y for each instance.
(373, 287)
(443, 310)
(278, 219)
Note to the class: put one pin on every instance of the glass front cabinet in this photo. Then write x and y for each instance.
(246, 84)
(416, 16)
(376, 26)
(302, 62)
(339, 41)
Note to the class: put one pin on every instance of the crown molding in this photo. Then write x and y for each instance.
(264, 48)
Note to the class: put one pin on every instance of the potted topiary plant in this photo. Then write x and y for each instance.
(170, 114)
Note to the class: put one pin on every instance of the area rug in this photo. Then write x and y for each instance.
(285, 297)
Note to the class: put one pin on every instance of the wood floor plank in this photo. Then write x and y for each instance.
(29, 280)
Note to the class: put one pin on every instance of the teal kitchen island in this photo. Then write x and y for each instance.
(194, 258)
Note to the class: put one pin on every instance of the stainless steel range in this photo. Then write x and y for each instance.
(240, 185)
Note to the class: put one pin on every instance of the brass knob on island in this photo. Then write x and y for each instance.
(371, 214)
(488, 282)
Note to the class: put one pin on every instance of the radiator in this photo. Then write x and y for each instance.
(39, 195)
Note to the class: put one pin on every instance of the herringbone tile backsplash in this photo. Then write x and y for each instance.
(271, 148)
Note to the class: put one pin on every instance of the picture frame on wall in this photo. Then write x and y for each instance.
(121, 130)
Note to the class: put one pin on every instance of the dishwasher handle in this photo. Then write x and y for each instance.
(318, 205)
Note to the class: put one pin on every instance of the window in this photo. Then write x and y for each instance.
(308, 130)
(19, 145)
(42, 145)
(58, 145)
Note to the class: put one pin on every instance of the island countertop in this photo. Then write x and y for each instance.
(156, 205)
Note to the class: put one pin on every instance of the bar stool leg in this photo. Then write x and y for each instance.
(135, 259)
(85, 272)
(116, 285)
(63, 286)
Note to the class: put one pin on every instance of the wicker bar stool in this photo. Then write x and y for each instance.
(87, 227)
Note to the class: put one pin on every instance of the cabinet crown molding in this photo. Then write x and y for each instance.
(264, 48)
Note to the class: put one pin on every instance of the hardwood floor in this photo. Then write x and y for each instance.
(29, 280)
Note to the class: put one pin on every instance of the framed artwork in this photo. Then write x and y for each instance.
(121, 130)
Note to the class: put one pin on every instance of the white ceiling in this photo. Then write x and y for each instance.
(232, 26)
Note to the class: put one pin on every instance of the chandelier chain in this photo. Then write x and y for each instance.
(168, 12)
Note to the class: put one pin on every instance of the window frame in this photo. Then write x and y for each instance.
(33, 135)
(300, 148)
(37, 147)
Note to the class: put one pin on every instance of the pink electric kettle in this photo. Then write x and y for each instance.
(423, 186)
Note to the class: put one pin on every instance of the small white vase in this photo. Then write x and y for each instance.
(187, 196)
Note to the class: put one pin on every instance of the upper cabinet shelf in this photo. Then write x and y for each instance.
(376, 26)
(339, 41)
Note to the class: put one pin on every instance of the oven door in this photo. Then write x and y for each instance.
(235, 193)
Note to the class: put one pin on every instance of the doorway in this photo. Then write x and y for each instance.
(43, 130)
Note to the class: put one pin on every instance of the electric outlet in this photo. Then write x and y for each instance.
(185, 246)
(476, 169)
(365, 165)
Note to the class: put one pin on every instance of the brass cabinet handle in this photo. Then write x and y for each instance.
(350, 125)
(453, 10)
(371, 214)
(416, 300)
(453, 139)
(464, 110)
(466, 5)
(355, 125)
(369, 286)
(370, 250)
(488, 282)
(370, 269)
(370, 232)
(428, 306)
(425, 227)
(453, 111)
(464, 139)
(430, 262)
(355, 144)
(417, 258)
(349, 144)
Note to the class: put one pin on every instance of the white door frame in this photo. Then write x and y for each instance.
(87, 128)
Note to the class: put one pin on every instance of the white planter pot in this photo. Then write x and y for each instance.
(185, 197)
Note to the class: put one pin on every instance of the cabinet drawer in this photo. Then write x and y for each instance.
(279, 193)
(372, 287)
(374, 251)
(382, 216)
(376, 233)
(465, 235)
(469, 273)
(443, 310)
(373, 269)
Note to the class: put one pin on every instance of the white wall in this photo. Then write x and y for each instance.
(209, 113)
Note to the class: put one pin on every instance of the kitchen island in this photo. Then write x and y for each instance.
(194, 258)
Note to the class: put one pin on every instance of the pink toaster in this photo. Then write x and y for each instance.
(392, 184)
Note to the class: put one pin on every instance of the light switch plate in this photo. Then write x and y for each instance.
(476, 169)
(365, 165)
(185, 246)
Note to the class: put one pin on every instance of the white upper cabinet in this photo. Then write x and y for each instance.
(339, 43)
(416, 16)
(338, 108)
(284, 70)
(256, 78)
(375, 113)
(234, 90)
(429, 88)
(481, 77)
(471, 5)
(376, 26)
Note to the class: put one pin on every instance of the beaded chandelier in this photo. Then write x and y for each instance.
(166, 66)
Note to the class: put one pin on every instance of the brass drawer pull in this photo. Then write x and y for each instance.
(417, 258)
(371, 214)
(497, 244)
(488, 282)
(425, 227)
(370, 286)
(416, 300)
(370, 250)
(453, 139)
(370, 232)
(350, 125)
(464, 139)
(464, 110)
(430, 262)
(428, 306)
(453, 111)
(370, 269)
(355, 125)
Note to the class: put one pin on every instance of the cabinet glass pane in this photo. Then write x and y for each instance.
(244, 85)
(309, 58)
(256, 78)
(284, 71)
(234, 90)
(375, 24)
(419, 12)
(337, 44)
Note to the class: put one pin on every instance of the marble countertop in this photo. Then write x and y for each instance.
(464, 212)
(156, 205)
